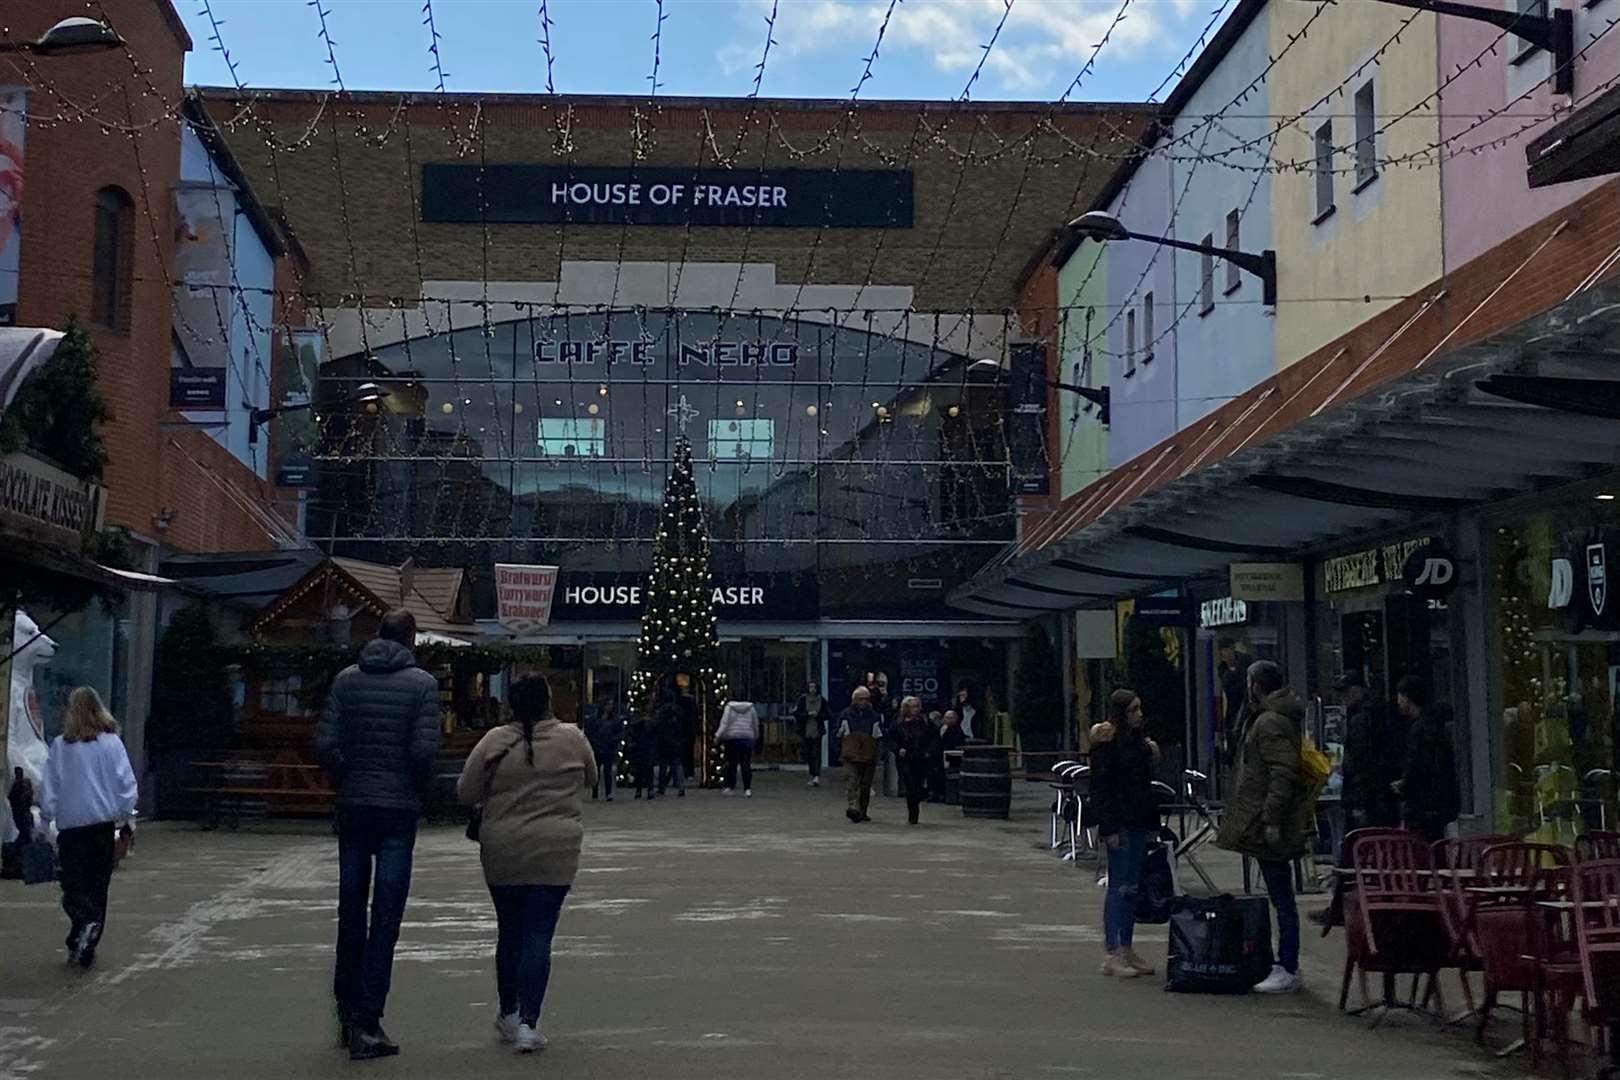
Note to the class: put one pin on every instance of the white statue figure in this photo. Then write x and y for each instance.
(27, 748)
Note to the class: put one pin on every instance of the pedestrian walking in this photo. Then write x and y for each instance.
(914, 748)
(936, 763)
(642, 744)
(530, 778)
(1267, 817)
(605, 732)
(1127, 812)
(859, 729)
(669, 734)
(737, 733)
(813, 716)
(378, 739)
(1374, 760)
(1428, 787)
(88, 789)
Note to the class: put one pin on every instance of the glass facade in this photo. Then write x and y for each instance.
(1554, 634)
(860, 466)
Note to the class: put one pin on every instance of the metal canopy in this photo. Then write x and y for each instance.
(1533, 406)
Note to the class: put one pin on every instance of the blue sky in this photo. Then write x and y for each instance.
(708, 47)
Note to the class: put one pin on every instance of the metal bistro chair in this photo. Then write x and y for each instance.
(1595, 889)
(1393, 920)
(1595, 846)
(1506, 931)
(1066, 806)
(1456, 862)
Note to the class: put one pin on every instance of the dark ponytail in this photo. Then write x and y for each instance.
(530, 699)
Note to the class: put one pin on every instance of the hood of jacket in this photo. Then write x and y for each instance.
(380, 656)
(1285, 703)
(739, 706)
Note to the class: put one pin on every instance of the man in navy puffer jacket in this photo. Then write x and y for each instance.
(378, 739)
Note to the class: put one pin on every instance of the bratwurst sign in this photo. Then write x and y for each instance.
(577, 194)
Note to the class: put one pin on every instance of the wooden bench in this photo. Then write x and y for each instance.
(244, 789)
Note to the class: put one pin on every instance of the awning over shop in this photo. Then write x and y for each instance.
(1524, 409)
(1584, 145)
(22, 350)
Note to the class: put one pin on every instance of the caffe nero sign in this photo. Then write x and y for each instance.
(575, 194)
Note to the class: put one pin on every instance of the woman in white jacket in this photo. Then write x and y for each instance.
(89, 787)
(737, 733)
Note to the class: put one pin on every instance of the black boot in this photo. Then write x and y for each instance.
(365, 1045)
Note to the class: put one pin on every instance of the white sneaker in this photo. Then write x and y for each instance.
(725, 791)
(528, 1040)
(1280, 981)
(748, 793)
(815, 781)
(507, 1027)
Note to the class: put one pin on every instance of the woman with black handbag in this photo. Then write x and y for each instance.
(1127, 811)
(528, 778)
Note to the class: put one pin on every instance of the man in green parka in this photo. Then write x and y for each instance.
(1268, 817)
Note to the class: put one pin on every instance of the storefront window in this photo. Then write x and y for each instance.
(1556, 672)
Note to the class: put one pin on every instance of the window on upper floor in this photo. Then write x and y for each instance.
(1234, 241)
(1366, 137)
(111, 260)
(1324, 170)
(1206, 277)
(1147, 328)
(1130, 343)
(1529, 7)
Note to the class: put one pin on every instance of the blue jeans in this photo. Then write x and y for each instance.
(672, 767)
(374, 864)
(1279, 877)
(1124, 875)
(527, 916)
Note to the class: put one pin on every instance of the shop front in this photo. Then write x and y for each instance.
(1553, 637)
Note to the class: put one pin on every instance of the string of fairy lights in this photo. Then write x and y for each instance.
(846, 133)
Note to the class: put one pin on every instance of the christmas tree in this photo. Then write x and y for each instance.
(677, 622)
(678, 634)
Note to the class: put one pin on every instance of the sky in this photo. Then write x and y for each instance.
(931, 48)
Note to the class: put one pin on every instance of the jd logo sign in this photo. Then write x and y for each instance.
(1430, 572)
(1562, 590)
(1597, 577)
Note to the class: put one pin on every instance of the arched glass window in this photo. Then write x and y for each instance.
(112, 259)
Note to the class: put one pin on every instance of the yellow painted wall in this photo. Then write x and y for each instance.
(1386, 240)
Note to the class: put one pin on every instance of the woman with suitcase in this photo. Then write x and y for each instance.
(1127, 812)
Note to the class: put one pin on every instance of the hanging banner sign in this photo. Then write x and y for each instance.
(1031, 471)
(578, 194)
(523, 596)
(1276, 582)
(197, 388)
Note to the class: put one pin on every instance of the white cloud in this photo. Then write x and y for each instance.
(1043, 46)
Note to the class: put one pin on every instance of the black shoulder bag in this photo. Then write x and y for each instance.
(475, 818)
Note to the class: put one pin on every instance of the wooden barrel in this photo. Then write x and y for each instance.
(986, 785)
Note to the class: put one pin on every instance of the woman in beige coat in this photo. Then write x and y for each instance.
(530, 777)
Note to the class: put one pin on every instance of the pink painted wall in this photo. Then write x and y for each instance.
(1485, 196)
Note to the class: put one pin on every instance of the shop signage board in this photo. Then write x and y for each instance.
(524, 596)
(1430, 572)
(1031, 471)
(595, 596)
(1222, 611)
(1167, 611)
(197, 388)
(1366, 569)
(43, 503)
(1268, 582)
(637, 195)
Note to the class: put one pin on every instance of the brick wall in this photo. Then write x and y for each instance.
(975, 226)
(70, 156)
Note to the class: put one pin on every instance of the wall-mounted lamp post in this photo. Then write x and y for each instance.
(366, 393)
(1102, 227)
(1554, 32)
(1097, 395)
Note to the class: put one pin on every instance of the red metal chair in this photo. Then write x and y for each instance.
(1455, 863)
(1597, 845)
(1595, 888)
(1507, 930)
(1393, 919)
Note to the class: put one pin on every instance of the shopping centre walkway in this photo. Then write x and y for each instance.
(707, 938)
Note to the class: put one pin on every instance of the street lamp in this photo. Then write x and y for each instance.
(1097, 395)
(1554, 32)
(1102, 227)
(70, 37)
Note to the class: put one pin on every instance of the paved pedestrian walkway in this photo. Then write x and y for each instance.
(707, 938)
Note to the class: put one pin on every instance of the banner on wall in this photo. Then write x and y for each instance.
(13, 129)
(296, 430)
(523, 596)
(202, 263)
(1030, 472)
